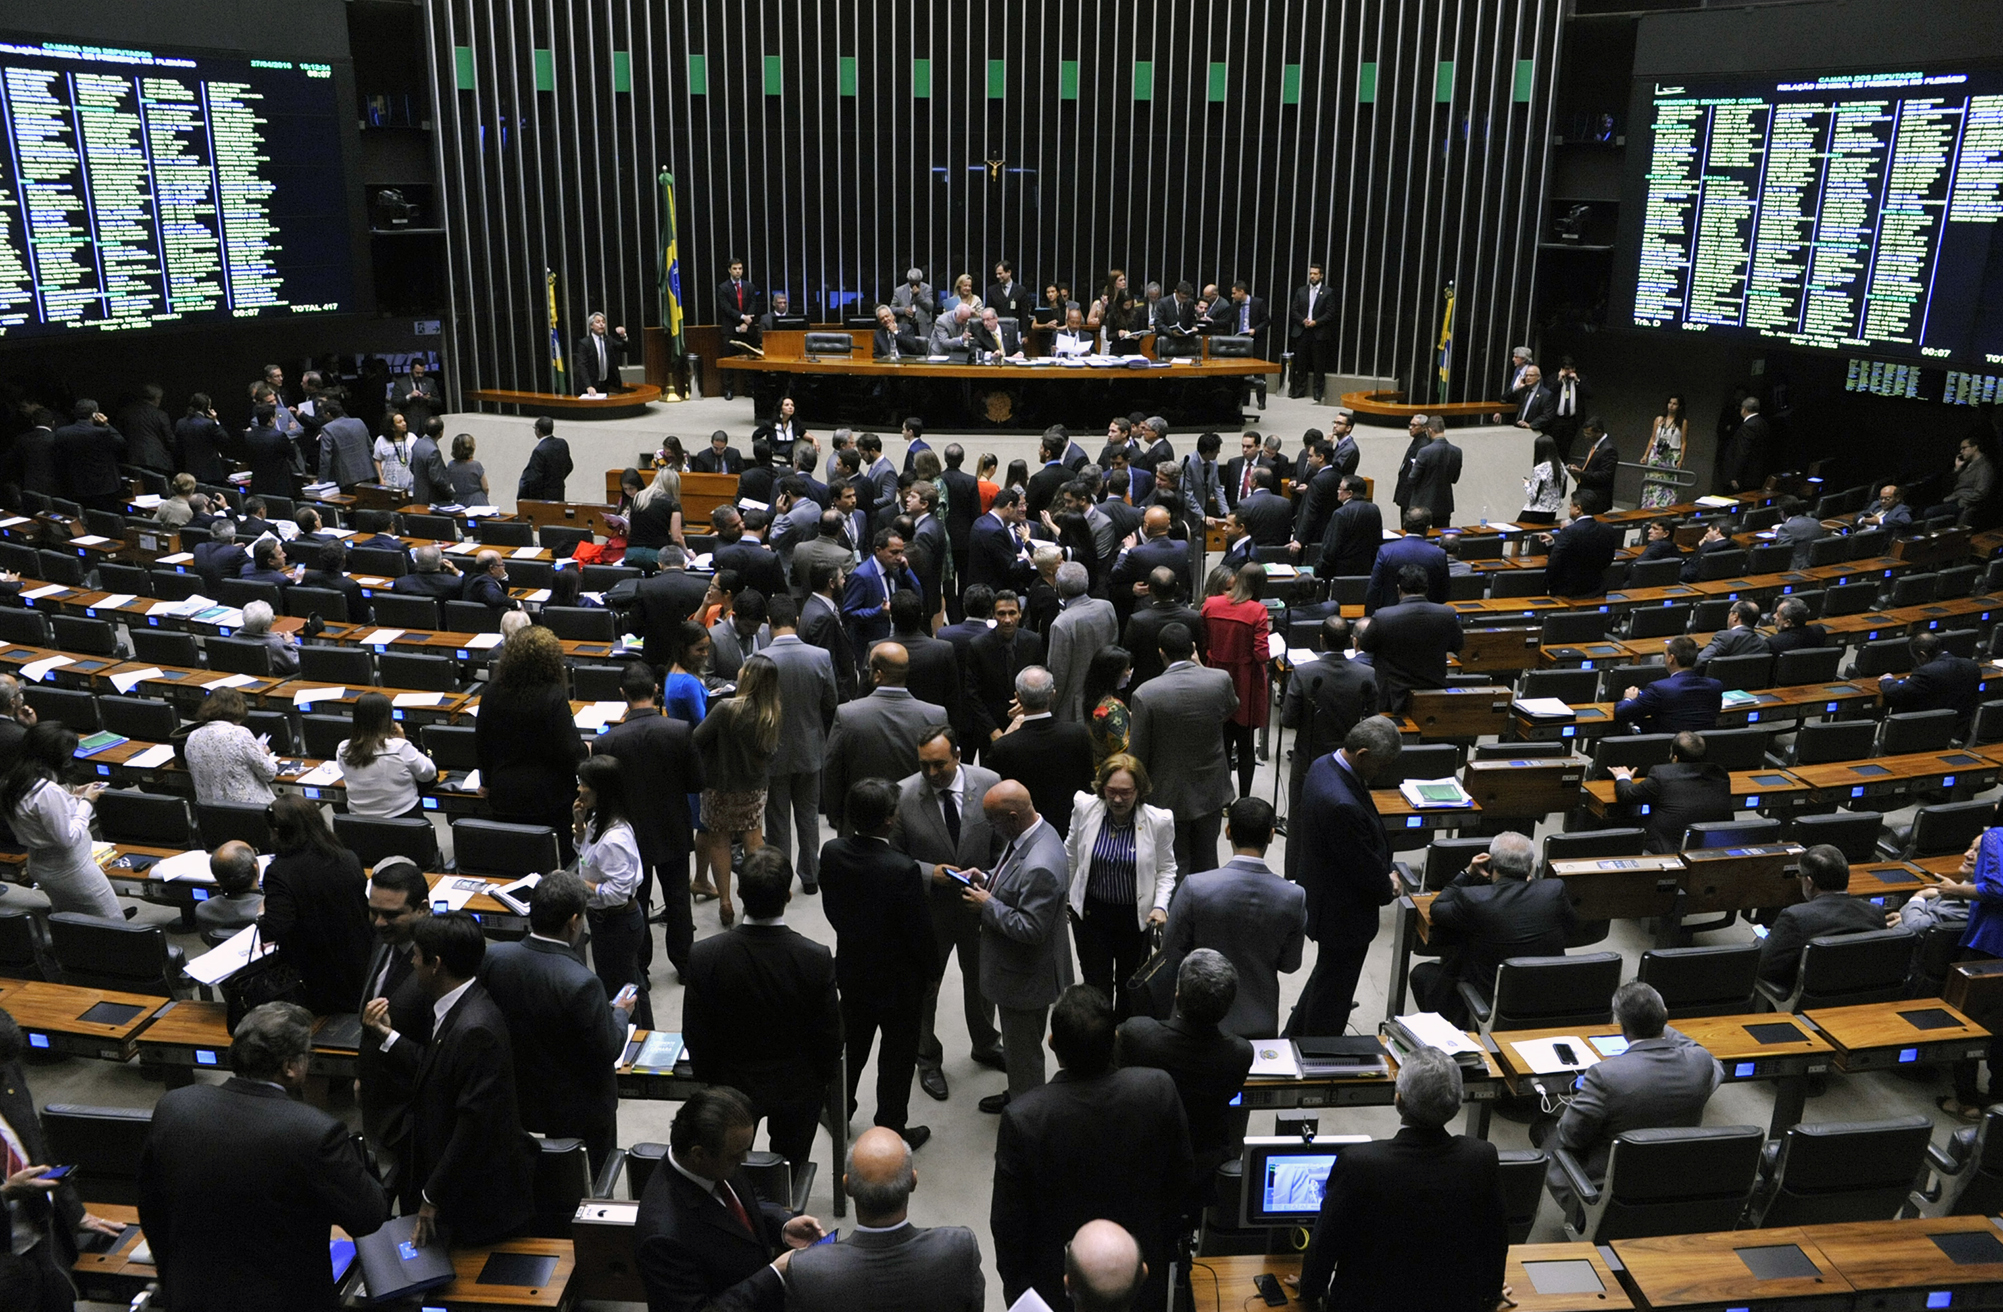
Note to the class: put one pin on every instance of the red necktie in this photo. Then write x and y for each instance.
(1245, 485)
(736, 1208)
(740, 296)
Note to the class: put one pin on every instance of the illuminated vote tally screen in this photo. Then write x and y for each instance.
(141, 189)
(1849, 211)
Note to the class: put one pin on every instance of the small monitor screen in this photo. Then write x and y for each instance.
(1284, 1178)
(1970, 1247)
(1566, 1277)
(1931, 1018)
(1778, 1262)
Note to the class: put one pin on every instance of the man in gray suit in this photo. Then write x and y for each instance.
(887, 1264)
(941, 825)
(1025, 944)
(807, 702)
(876, 737)
(1246, 911)
(1083, 625)
(1178, 734)
(796, 518)
(1742, 638)
(1662, 1081)
(344, 448)
(912, 304)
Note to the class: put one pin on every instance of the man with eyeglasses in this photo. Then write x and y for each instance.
(399, 897)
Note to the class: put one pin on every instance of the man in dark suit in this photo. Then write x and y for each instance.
(1042, 487)
(756, 564)
(866, 598)
(1268, 516)
(661, 603)
(1435, 470)
(738, 305)
(1742, 462)
(1238, 469)
(1659, 542)
(1100, 1142)
(1245, 316)
(1581, 551)
(1569, 394)
(428, 479)
(1682, 699)
(565, 1034)
(1343, 453)
(991, 336)
(594, 364)
(1410, 641)
(1534, 404)
(470, 1168)
(719, 457)
(1688, 790)
(1052, 758)
(1207, 1062)
(488, 583)
(1156, 550)
(994, 551)
(703, 1239)
(991, 662)
(1311, 330)
(963, 507)
(1940, 680)
(1345, 867)
(431, 575)
(1175, 734)
(1597, 471)
(87, 451)
(1414, 550)
(887, 1262)
(1239, 548)
(1008, 296)
(885, 955)
(876, 737)
(933, 671)
(821, 624)
(346, 453)
(1355, 534)
(1324, 700)
(1494, 911)
(42, 1216)
(889, 341)
(1826, 908)
(221, 557)
(1142, 636)
(1376, 1246)
(267, 564)
(760, 1013)
(1740, 637)
(1246, 912)
(549, 465)
(399, 897)
(1418, 435)
(220, 1157)
(416, 395)
(929, 547)
(1714, 539)
(329, 573)
(270, 455)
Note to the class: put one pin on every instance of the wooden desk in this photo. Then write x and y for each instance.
(1888, 1255)
(467, 1294)
(1262, 1094)
(1707, 1271)
(1879, 1035)
(114, 1276)
(631, 399)
(1843, 782)
(193, 1035)
(1752, 790)
(51, 1016)
(1460, 713)
(1233, 1277)
(571, 514)
(1534, 786)
(1399, 814)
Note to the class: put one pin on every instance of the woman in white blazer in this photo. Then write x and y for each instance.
(1122, 873)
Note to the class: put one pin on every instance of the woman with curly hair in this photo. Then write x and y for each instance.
(526, 738)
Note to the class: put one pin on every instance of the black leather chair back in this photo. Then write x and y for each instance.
(580, 623)
(103, 1143)
(111, 954)
(1854, 1171)
(1842, 970)
(374, 838)
(563, 1180)
(138, 717)
(1658, 621)
(126, 815)
(1540, 992)
(1855, 833)
(1688, 1180)
(1918, 731)
(1704, 981)
(487, 847)
(1806, 665)
(1835, 740)
(402, 611)
(450, 746)
(1575, 626)
(1522, 1189)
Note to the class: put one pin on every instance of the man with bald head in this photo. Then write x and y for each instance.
(1103, 1269)
(236, 902)
(876, 737)
(1155, 550)
(488, 583)
(887, 1264)
(1025, 944)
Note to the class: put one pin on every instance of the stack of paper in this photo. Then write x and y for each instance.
(482, 641)
(178, 558)
(1552, 706)
(114, 601)
(405, 700)
(152, 758)
(539, 595)
(194, 605)
(526, 553)
(1277, 571)
(1432, 1030)
(1275, 1059)
(321, 489)
(1300, 656)
(456, 893)
(326, 532)
(191, 866)
(476, 512)
(1432, 794)
(1718, 503)
(1543, 1057)
(1739, 697)
(1276, 646)
(215, 966)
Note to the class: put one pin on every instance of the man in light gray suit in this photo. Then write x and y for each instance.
(875, 737)
(807, 701)
(912, 304)
(1083, 625)
(796, 518)
(1247, 912)
(1025, 943)
(1662, 1081)
(940, 825)
(1178, 733)
(887, 1264)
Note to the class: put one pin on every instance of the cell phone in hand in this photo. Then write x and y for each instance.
(58, 1172)
(828, 1238)
(626, 996)
(964, 877)
(1269, 1289)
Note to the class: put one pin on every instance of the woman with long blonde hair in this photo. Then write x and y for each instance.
(655, 520)
(736, 742)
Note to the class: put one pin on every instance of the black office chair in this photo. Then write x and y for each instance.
(1854, 833)
(1635, 751)
(1885, 656)
(487, 847)
(92, 952)
(29, 627)
(1843, 970)
(598, 683)
(1541, 992)
(126, 815)
(302, 603)
(562, 1181)
(1689, 1180)
(1730, 833)
(1726, 564)
(373, 838)
(1654, 574)
(143, 718)
(1966, 1173)
(68, 706)
(1914, 590)
(59, 567)
(1811, 600)
(1425, 761)
(775, 1180)
(1744, 673)
(379, 562)
(1703, 981)
(1706, 616)
(413, 673)
(1658, 621)
(1988, 726)
(241, 592)
(1517, 583)
(1849, 598)
(471, 617)
(85, 637)
(328, 664)
(434, 528)
(165, 647)
(1940, 830)
(1918, 731)
(135, 580)
(450, 746)
(1572, 687)
(490, 532)
(1574, 626)
(242, 822)
(1845, 1171)
(1960, 642)
(400, 611)
(1770, 558)
(1833, 740)
(1738, 749)
(1522, 1172)
(1445, 858)
(322, 735)
(1871, 542)
(562, 542)
(1806, 665)
(1959, 581)
(604, 578)
(1617, 679)
(103, 1143)
(24, 946)
(1593, 844)
(239, 656)
(580, 623)
(275, 725)
(531, 574)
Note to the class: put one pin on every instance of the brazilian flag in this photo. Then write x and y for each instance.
(671, 269)
(555, 336)
(1447, 342)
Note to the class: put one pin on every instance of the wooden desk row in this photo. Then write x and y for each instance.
(1950, 1261)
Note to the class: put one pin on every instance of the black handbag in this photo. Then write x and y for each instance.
(267, 978)
(1150, 990)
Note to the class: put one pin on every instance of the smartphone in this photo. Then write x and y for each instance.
(1566, 1053)
(960, 878)
(1760, 931)
(440, 905)
(828, 1238)
(58, 1173)
(626, 995)
(1269, 1289)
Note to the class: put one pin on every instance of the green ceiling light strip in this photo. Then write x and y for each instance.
(921, 79)
(1366, 83)
(1220, 82)
(1144, 80)
(997, 78)
(1067, 79)
(622, 70)
(775, 75)
(698, 75)
(1290, 84)
(1443, 81)
(1526, 80)
(845, 75)
(462, 68)
(545, 62)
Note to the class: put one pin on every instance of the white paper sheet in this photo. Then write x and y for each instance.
(46, 590)
(178, 558)
(526, 553)
(1300, 656)
(37, 671)
(599, 714)
(307, 696)
(324, 775)
(408, 699)
(1275, 1058)
(190, 866)
(1542, 706)
(380, 637)
(152, 758)
(115, 600)
(1435, 1031)
(217, 965)
(457, 892)
(131, 679)
(1541, 1055)
(89, 540)
(230, 681)
(539, 595)
(482, 641)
